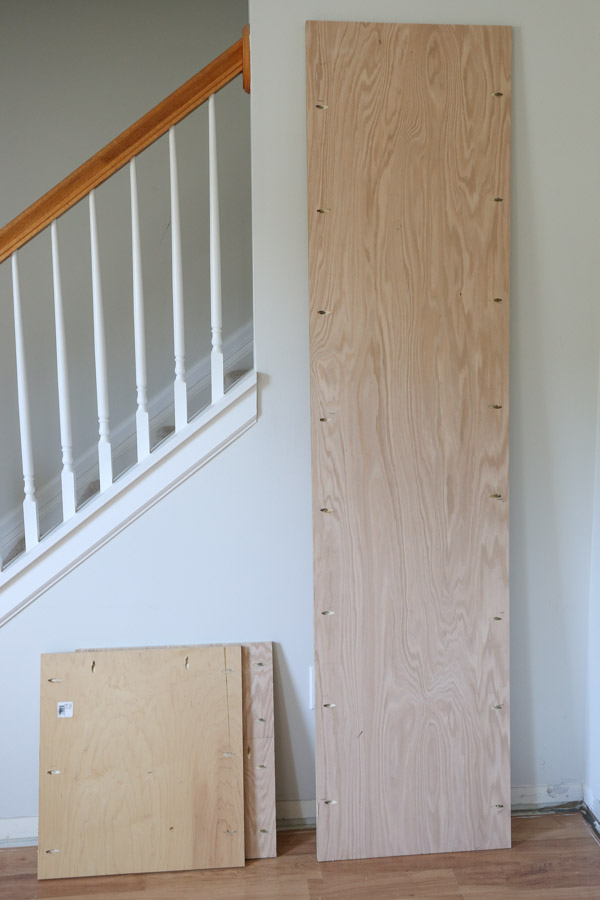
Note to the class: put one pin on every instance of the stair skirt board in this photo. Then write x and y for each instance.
(128, 498)
(238, 353)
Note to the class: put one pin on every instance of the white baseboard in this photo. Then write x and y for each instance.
(21, 832)
(591, 798)
(541, 795)
(296, 813)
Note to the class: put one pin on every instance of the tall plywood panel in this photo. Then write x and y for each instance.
(408, 187)
(141, 761)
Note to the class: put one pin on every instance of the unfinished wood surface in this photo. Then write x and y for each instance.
(260, 815)
(123, 148)
(144, 773)
(408, 187)
(259, 751)
(554, 857)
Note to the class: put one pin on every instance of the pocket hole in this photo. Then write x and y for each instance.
(248, 751)
(321, 105)
(52, 851)
(230, 831)
(326, 509)
(497, 300)
(261, 767)
(264, 831)
(498, 94)
(497, 618)
(324, 312)
(498, 199)
(93, 666)
(329, 706)
(53, 771)
(496, 496)
(498, 706)
(324, 209)
(186, 662)
(260, 719)
(55, 680)
(259, 665)
(495, 406)
(327, 612)
(330, 802)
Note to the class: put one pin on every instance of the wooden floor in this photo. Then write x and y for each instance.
(554, 857)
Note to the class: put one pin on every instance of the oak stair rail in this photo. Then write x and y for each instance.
(46, 211)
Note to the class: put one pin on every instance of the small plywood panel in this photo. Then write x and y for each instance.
(259, 751)
(408, 203)
(141, 761)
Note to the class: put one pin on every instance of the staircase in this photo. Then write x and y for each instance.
(174, 433)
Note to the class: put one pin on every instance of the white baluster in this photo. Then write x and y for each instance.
(142, 419)
(216, 314)
(180, 388)
(104, 448)
(30, 510)
(64, 405)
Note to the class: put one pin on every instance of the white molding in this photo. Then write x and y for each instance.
(540, 796)
(129, 497)
(237, 350)
(20, 832)
(591, 798)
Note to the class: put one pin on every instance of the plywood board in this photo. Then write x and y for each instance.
(141, 761)
(259, 751)
(408, 203)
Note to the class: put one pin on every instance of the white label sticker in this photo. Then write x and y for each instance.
(64, 709)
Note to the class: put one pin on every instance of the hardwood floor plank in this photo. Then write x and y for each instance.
(554, 857)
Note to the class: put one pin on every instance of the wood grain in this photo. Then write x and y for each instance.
(408, 201)
(557, 862)
(123, 148)
(260, 815)
(147, 775)
(259, 751)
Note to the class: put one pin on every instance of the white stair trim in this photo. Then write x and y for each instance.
(237, 349)
(137, 490)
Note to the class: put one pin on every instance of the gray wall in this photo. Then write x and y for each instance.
(76, 74)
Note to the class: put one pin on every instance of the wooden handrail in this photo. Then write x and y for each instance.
(232, 62)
